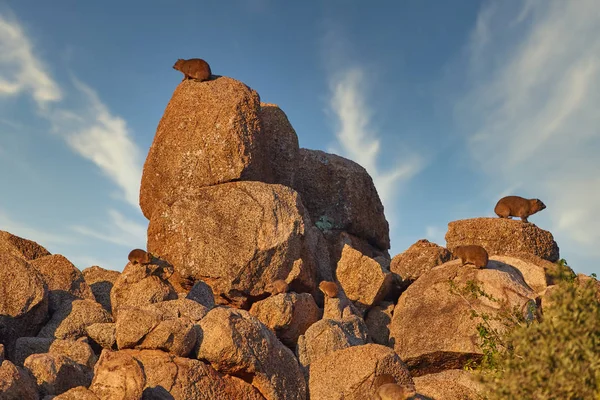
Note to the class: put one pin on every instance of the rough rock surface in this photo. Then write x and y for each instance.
(210, 133)
(104, 334)
(282, 143)
(453, 384)
(288, 314)
(351, 374)
(203, 294)
(65, 282)
(159, 375)
(56, 373)
(431, 328)
(149, 328)
(16, 383)
(418, 259)
(23, 300)
(536, 271)
(77, 393)
(77, 350)
(238, 237)
(327, 336)
(71, 319)
(378, 321)
(364, 280)
(101, 282)
(236, 343)
(328, 186)
(19, 247)
(337, 240)
(500, 236)
(140, 285)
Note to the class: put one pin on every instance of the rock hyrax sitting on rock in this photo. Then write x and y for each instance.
(330, 289)
(278, 286)
(194, 68)
(471, 254)
(515, 206)
(393, 391)
(139, 256)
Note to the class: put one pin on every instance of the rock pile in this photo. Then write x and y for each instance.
(234, 205)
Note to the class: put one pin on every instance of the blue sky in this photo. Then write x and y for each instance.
(449, 106)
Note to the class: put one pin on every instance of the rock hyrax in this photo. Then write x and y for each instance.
(139, 256)
(515, 206)
(471, 254)
(194, 68)
(279, 286)
(393, 391)
(330, 289)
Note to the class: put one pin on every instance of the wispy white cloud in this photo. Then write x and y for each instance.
(118, 230)
(532, 109)
(357, 139)
(20, 69)
(89, 129)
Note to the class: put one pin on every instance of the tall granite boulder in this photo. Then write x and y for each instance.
(500, 236)
(339, 194)
(238, 237)
(210, 133)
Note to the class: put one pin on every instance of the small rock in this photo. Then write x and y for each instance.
(203, 294)
(77, 393)
(17, 246)
(101, 282)
(418, 259)
(71, 319)
(378, 322)
(56, 373)
(288, 315)
(452, 384)
(104, 334)
(16, 383)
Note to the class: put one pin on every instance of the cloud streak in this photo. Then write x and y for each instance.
(355, 136)
(89, 129)
(531, 111)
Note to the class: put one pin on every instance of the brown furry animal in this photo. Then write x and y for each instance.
(279, 286)
(394, 391)
(139, 256)
(515, 206)
(194, 68)
(330, 289)
(471, 254)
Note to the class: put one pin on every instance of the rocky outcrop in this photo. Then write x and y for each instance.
(77, 350)
(237, 237)
(364, 280)
(71, 319)
(142, 284)
(418, 259)
(431, 330)
(328, 186)
(236, 343)
(23, 300)
(378, 321)
(64, 281)
(16, 383)
(19, 247)
(327, 336)
(288, 315)
(101, 282)
(500, 236)
(209, 134)
(352, 373)
(56, 373)
(453, 384)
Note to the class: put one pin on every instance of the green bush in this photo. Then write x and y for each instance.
(555, 358)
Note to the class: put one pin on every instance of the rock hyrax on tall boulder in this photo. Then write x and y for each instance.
(277, 287)
(471, 254)
(194, 68)
(515, 206)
